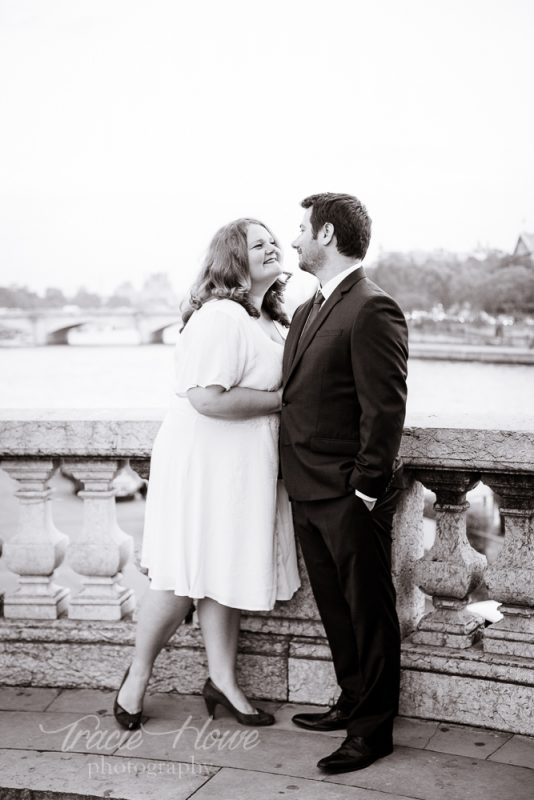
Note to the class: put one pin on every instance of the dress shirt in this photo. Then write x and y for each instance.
(334, 282)
(326, 291)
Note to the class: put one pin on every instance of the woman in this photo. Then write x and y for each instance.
(218, 525)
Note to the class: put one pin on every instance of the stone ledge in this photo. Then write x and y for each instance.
(316, 649)
(460, 686)
(99, 666)
(469, 449)
(468, 700)
(67, 438)
(283, 627)
(471, 662)
(311, 680)
(130, 433)
(122, 633)
(71, 654)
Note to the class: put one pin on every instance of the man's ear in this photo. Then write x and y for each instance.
(327, 233)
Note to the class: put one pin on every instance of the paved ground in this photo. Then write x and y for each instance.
(65, 743)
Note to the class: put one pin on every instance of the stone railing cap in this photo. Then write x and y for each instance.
(450, 443)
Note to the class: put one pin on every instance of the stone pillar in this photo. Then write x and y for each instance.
(407, 548)
(142, 467)
(103, 549)
(38, 332)
(510, 579)
(452, 568)
(37, 548)
(146, 334)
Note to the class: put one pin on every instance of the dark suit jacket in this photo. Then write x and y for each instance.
(344, 394)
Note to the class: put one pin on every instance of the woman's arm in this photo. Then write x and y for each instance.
(236, 403)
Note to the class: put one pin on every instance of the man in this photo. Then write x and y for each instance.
(342, 418)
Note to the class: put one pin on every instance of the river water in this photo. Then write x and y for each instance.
(134, 376)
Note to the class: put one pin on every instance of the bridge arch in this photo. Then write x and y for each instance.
(61, 335)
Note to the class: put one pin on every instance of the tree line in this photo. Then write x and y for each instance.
(156, 291)
(495, 282)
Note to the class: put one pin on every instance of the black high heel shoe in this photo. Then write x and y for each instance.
(213, 697)
(129, 721)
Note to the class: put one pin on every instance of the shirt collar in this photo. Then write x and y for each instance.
(334, 282)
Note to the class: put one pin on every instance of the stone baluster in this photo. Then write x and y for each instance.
(510, 579)
(452, 568)
(142, 467)
(37, 548)
(102, 550)
(407, 548)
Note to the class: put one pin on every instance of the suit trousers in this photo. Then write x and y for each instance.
(347, 551)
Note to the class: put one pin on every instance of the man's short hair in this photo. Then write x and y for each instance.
(352, 223)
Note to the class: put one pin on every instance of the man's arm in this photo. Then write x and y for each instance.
(379, 352)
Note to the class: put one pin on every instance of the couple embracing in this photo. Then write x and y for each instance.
(322, 405)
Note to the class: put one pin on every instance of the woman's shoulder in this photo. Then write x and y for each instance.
(224, 306)
(215, 316)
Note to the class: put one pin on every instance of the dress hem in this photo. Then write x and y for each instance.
(211, 596)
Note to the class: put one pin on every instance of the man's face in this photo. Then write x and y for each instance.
(311, 254)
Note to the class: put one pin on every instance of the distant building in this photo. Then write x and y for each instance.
(525, 245)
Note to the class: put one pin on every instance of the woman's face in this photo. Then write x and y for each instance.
(263, 257)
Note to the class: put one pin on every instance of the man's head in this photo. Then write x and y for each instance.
(332, 223)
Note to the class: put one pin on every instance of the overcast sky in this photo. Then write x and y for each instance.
(131, 130)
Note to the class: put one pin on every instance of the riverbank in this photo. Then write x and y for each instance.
(448, 351)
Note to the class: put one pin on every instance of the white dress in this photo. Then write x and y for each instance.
(218, 521)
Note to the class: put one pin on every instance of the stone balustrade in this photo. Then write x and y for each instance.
(38, 548)
(455, 667)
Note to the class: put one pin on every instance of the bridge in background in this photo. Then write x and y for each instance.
(52, 326)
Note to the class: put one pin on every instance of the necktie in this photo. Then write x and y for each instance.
(314, 310)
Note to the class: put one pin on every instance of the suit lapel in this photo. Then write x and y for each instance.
(293, 337)
(298, 345)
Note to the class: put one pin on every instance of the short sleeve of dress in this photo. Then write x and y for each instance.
(211, 351)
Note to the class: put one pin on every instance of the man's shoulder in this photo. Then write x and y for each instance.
(371, 294)
(369, 308)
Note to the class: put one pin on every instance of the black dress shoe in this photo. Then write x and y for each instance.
(334, 719)
(355, 753)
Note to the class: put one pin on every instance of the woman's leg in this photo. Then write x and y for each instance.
(220, 630)
(159, 616)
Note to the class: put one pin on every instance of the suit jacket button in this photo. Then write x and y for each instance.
(284, 403)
